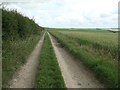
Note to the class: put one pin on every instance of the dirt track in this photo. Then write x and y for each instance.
(75, 74)
(25, 77)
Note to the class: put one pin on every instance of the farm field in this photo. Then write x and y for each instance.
(96, 39)
(97, 49)
(39, 57)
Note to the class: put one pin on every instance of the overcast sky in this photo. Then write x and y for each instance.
(70, 13)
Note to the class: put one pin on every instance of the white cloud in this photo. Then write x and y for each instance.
(71, 13)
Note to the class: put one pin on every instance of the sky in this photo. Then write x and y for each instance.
(69, 13)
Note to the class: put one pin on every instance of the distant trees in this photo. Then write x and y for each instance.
(16, 26)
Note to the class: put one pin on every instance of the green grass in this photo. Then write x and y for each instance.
(79, 30)
(104, 43)
(104, 70)
(49, 74)
(100, 41)
(14, 54)
(104, 38)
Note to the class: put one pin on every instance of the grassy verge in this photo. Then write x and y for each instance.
(105, 71)
(49, 75)
(14, 54)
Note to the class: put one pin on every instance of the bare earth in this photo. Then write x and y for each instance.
(25, 77)
(75, 74)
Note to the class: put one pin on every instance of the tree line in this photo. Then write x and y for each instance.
(17, 26)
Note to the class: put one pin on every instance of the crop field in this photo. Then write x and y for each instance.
(37, 57)
(100, 40)
(97, 49)
(106, 41)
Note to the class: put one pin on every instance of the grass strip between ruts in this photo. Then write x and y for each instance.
(49, 74)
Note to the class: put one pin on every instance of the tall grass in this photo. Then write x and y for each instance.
(105, 71)
(15, 54)
(49, 74)
(19, 36)
(102, 42)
